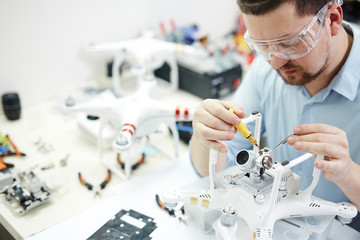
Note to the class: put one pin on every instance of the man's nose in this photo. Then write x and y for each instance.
(277, 62)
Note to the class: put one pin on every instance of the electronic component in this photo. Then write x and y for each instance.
(26, 193)
(126, 225)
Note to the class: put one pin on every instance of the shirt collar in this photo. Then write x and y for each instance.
(346, 82)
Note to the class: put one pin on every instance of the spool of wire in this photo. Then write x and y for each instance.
(11, 105)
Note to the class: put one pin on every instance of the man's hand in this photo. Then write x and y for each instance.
(330, 142)
(212, 123)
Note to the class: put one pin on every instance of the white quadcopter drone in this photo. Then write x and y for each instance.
(149, 52)
(263, 192)
(140, 116)
(135, 115)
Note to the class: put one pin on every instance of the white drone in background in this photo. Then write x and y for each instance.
(139, 114)
(262, 192)
(135, 115)
(150, 53)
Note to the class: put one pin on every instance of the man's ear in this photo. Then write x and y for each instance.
(336, 18)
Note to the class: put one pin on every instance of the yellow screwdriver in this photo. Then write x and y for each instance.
(244, 131)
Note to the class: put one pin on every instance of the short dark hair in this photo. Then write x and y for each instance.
(260, 7)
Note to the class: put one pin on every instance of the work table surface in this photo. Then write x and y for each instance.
(46, 125)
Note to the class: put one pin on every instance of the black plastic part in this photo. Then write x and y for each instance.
(11, 105)
(119, 228)
(262, 171)
(285, 163)
(91, 117)
(109, 67)
(163, 72)
(185, 131)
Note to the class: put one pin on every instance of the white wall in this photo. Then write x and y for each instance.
(42, 41)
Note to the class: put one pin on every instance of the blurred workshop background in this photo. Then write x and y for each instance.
(42, 43)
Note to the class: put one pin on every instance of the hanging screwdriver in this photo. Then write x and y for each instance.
(244, 131)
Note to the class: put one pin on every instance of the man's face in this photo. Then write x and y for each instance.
(284, 21)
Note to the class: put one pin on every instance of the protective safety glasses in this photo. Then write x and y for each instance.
(293, 46)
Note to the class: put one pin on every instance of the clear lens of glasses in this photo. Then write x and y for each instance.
(290, 47)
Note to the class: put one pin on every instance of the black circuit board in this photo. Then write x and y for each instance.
(126, 225)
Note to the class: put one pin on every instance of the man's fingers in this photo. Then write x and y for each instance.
(213, 122)
(328, 166)
(314, 137)
(333, 151)
(206, 133)
(219, 109)
(315, 128)
(217, 146)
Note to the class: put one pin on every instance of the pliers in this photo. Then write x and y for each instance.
(4, 166)
(178, 214)
(90, 186)
(135, 166)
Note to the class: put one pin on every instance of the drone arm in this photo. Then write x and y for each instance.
(276, 184)
(226, 232)
(211, 199)
(306, 194)
(212, 163)
(273, 197)
(119, 59)
(316, 207)
(298, 160)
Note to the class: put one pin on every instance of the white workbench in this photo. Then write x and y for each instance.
(47, 123)
(139, 195)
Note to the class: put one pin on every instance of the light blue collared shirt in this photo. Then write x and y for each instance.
(284, 106)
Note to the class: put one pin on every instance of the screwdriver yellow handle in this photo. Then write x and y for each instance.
(244, 131)
(241, 127)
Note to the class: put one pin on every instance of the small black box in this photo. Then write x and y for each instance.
(205, 84)
(210, 85)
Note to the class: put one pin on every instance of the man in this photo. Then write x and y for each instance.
(306, 82)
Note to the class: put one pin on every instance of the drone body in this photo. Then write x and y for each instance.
(135, 115)
(148, 52)
(260, 193)
(139, 115)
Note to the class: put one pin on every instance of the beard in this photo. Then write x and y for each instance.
(306, 76)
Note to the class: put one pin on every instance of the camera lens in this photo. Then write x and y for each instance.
(242, 157)
(267, 162)
(246, 160)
